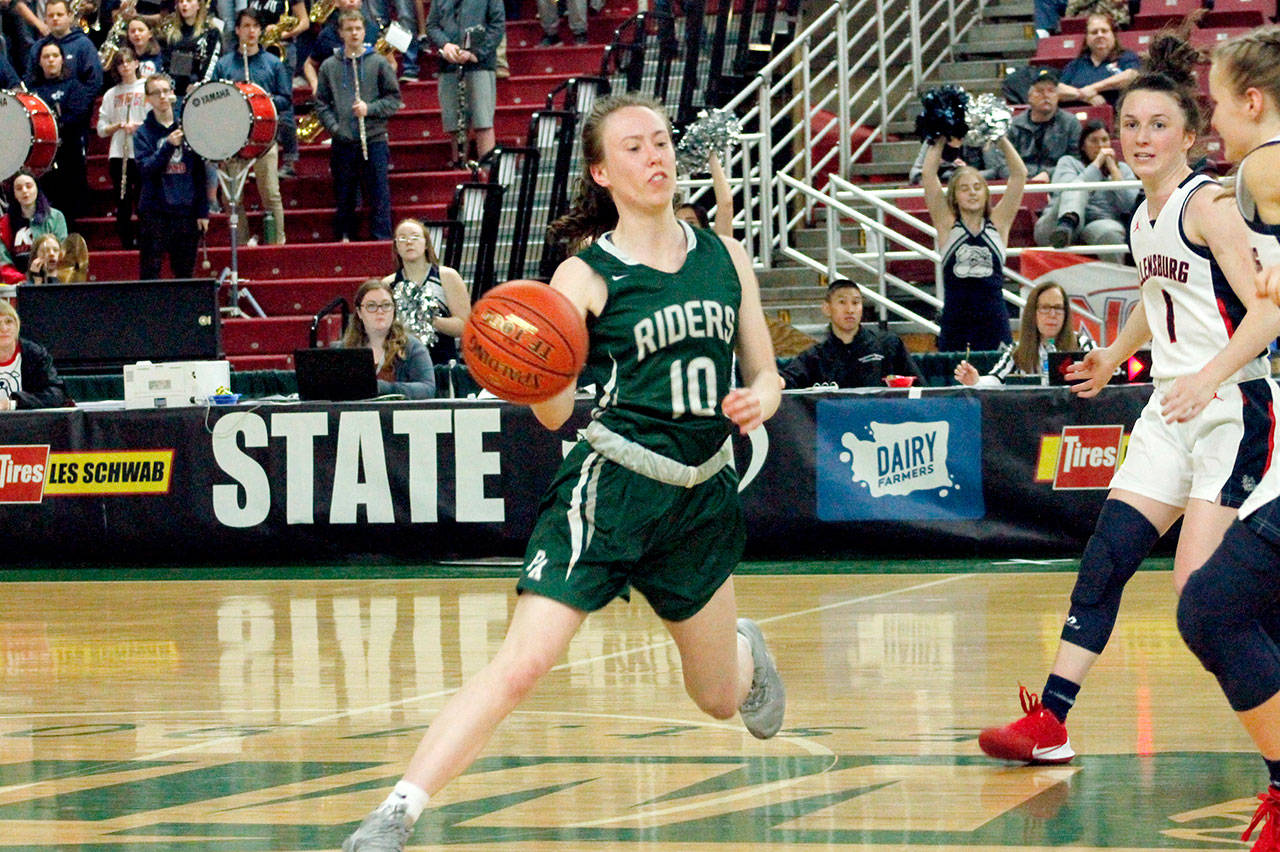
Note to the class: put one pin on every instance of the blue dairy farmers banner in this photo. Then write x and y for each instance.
(831, 475)
(899, 459)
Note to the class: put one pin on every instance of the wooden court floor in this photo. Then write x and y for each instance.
(251, 710)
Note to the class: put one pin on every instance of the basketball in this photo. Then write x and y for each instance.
(524, 342)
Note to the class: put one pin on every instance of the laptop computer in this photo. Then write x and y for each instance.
(335, 375)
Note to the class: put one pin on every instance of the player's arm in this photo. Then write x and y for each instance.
(588, 292)
(1099, 365)
(1257, 173)
(758, 399)
(1212, 220)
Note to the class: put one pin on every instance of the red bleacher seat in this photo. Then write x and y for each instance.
(1083, 113)
(1073, 25)
(1159, 12)
(1208, 39)
(1058, 50)
(1134, 40)
(1241, 13)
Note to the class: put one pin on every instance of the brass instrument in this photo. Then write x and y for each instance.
(309, 127)
(111, 45)
(273, 36)
(321, 11)
(87, 18)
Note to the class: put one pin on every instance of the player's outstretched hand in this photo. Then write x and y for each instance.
(1186, 398)
(1091, 375)
(742, 406)
(1268, 283)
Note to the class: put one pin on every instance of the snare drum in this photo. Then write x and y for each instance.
(30, 132)
(221, 120)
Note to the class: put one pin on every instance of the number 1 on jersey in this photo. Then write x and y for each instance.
(693, 389)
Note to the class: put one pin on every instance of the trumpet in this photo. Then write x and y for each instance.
(309, 127)
(273, 36)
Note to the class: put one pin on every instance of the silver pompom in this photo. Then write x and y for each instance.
(417, 306)
(710, 134)
(988, 118)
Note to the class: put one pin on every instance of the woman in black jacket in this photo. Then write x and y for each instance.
(27, 376)
(71, 101)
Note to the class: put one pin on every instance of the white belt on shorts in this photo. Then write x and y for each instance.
(646, 462)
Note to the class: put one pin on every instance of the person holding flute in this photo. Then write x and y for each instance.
(356, 93)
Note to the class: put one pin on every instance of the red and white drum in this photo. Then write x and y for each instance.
(29, 131)
(221, 120)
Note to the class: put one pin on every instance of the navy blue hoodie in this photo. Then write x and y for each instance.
(172, 179)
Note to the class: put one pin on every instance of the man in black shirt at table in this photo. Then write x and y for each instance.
(852, 356)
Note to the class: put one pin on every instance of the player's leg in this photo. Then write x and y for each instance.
(1203, 526)
(537, 637)
(715, 659)
(1129, 525)
(1220, 615)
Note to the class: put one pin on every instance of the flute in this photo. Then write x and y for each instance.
(128, 149)
(364, 140)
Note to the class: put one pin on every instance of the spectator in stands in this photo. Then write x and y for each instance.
(431, 299)
(9, 78)
(24, 28)
(466, 33)
(173, 210)
(1043, 134)
(252, 64)
(29, 216)
(549, 17)
(80, 56)
(1046, 14)
(1051, 332)
(356, 95)
(971, 239)
(191, 45)
(954, 155)
(401, 361)
(696, 214)
(410, 16)
(142, 39)
(1103, 67)
(270, 13)
(1092, 217)
(124, 106)
(853, 355)
(72, 104)
(46, 257)
(328, 41)
(27, 376)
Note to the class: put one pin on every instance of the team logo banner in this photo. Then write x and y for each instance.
(900, 459)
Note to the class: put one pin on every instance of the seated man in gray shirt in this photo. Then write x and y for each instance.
(852, 356)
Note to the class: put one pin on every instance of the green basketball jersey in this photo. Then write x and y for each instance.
(661, 353)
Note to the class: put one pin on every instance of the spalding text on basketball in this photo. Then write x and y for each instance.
(519, 330)
(477, 353)
(695, 318)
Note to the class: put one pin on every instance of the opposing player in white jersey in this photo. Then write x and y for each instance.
(1229, 613)
(1197, 448)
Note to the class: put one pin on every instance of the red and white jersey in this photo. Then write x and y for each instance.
(1191, 308)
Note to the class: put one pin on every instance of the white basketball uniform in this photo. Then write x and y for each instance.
(1261, 508)
(1192, 312)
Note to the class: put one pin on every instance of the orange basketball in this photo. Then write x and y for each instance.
(524, 342)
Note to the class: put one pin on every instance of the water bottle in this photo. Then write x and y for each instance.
(268, 228)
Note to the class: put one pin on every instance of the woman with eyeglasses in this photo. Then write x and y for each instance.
(432, 300)
(1051, 332)
(402, 362)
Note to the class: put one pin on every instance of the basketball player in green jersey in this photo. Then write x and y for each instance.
(648, 499)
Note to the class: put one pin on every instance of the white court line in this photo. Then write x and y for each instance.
(357, 711)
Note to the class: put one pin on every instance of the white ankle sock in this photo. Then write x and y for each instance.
(413, 797)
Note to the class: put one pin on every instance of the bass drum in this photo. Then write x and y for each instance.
(29, 131)
(221, 120)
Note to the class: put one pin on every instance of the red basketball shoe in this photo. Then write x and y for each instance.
(1038, 737)
(1269, 810)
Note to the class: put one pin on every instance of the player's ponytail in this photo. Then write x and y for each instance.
(1170, 68)
(593, 211)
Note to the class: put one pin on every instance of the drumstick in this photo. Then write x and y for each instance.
(364, 142)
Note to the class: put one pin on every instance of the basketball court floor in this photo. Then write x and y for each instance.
(270, 709)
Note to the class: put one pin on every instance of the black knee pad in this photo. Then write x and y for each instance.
(1120, 541)
(1224, 613)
